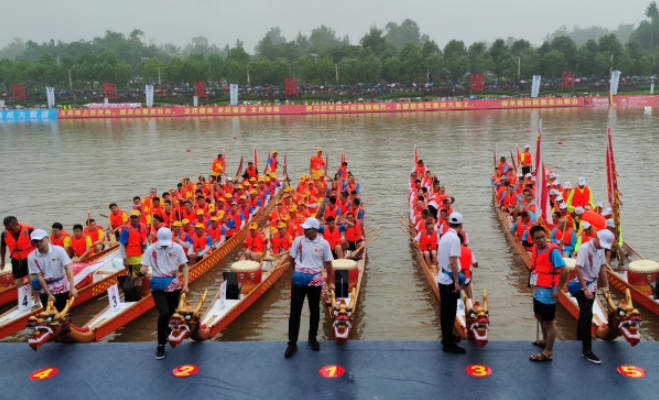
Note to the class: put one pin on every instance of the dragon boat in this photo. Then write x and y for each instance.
(608, 323)
(107, 321)
(92, 278)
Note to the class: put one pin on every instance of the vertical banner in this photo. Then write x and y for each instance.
(195, 101)
(612, 185)
(542, 204)
(233, 94)
(106, 102)
(615, 78)
(50, 96)
(2, 104)
(652, 88)
(149, 95)
(535, 88)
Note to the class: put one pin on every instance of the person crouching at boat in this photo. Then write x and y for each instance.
(332, 233)
(428, 239)
(590, 264)
(165, 257)
(467, 260)
(50, 271)
(201, 245)
(450, 281)
(547, 259)
(311, 253)
(255, 243)
(132, 243)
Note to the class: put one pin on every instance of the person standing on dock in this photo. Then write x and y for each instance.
(590, 264)
(16, 238)
(311, 253)
(132, 242)
(547, 260)
(525, 160)
(164, 257)
(449, 251)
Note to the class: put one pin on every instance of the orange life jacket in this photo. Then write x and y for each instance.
(251, 172)
(59, 241)
(136, 238)
(465, 260)
(79, 246)
(428, 243)
(548, 276)
(117, 219)
(94, 235)
(317, 162)
(580, 198)
(21, 248)
(279, 244)
(355, 233)
(332, 236)
(199, 243)
(190, 216)
(257, 243)
(525, 158)
(331, 212)
(585, 238)
(521, 228)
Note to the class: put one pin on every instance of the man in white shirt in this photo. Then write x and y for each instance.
(51, 267)
(164, 258)
(311, 252)
(448, 257)
(591, 264)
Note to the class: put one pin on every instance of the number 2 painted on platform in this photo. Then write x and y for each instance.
(185, 370)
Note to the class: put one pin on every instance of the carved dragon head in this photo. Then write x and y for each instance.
(624, 319)
(47, 325)
(477, 320)
(185, 321)
(342, 314)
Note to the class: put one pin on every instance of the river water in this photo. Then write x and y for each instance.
(63, 169)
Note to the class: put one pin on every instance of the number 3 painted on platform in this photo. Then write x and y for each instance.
(478, 371)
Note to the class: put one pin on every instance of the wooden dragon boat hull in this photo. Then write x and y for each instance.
(108, 321)
(14, 321)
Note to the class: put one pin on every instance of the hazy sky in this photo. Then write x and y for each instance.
(177, 21)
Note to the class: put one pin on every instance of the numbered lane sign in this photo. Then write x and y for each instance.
(113, 297)
(479, 371)
(24, 299)
(332, 371)
(631, 371)
(185, 370)
(44, 374)
(223, 294)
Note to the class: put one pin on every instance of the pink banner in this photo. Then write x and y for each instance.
(322, 108)
(623, 101)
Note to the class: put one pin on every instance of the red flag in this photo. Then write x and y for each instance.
(416, 157)
(513, 160)
(326, 163)
(256, 162)
(240, 167)
(612, 183)
(519, 156)
(542, 204)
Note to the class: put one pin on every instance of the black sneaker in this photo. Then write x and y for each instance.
(590, 356)
(292, 348)
(160, 353)
(456, 339)
(315, 346)
(454, 348)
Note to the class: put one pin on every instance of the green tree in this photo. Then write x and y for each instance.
(236, 63)
(349, 71)
(429, 47)
(554, 61)
(259, 71)
(370, 68)
(393, 70)
(411, 58)
(434, 64)
(149, 69)
(566, 45)
(455, 57)
(375, 40)
(279, 71)
(216, 67)
(408, 31)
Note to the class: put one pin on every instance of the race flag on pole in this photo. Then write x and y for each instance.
(612, 183)
(542, 204)
(416, 157)
(256, 163)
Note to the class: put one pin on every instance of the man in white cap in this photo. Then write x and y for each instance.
(164, 257)
(591, 264)
(448, 279)
(586, 233)
(525, 160)
(311, 253)
(50, 271)
(581, 196)
(567, 189)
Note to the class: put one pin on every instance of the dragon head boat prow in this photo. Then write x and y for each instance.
(623, 320)
(186, 322)
(342, 314)
(50, 325)
(477, 320)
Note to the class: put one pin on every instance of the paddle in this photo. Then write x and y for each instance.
(240, 168)
(367, 201)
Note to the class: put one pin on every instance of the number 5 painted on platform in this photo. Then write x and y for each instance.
(631, 371)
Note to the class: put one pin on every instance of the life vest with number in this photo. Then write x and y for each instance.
(136, 239)
(59, 241)
(199, 243)
(465, 260)
(548, 276)
(317, 162)
(117, 219)
(256, 243)
(333, 236)
(354, 234)
(280, 244)
(19, 249)
(79, 246)
(428, 243)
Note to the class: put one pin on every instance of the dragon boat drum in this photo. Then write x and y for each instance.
(249, 274)
(642, 274)
(346, 265)
(571, 264)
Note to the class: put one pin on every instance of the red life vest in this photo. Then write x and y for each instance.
(181, 237)
(465, 260)
(356, 212)
(244, 209)
(580, 198)
(21, 248)
(548, 276)
(332, 236)
(251, 172)
(257, 243)
(420, 171)
(199, 243)
(279, 244)
(136, 238)
(521, 228)
(525, 158)
(236, 222)
(354, 234)
(253, 202)
(190, 216)
(94, 235)
(117, 219)
(317, 162)
(215, 233)
(331, 212)
(585, 238)
(168, 219)
(502, 168)
(59, 241)
(428, 243)
(509, 199)
(206, 223)
(79, 246)
(217, 169)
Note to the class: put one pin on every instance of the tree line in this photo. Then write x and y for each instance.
(396, 53)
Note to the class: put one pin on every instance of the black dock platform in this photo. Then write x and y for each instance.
(373, 370)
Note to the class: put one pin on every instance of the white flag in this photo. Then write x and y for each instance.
(615, 78)
(50, 96)
(535, 88)
(233, 94)
(149, 95)
(195, 101)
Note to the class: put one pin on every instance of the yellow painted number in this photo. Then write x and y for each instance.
(632, 372)
(331, 370)
(43, 374)
(185, 370)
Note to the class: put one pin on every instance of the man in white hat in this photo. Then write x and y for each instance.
(525, 160)
(164, 257)
(581, 196)
(591, 264)
(448, 279)
(586, 233)
(311, 253)
(50, 271)
(567, 189)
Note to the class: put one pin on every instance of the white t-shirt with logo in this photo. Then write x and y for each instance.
(164, 262)
(51, 266)
(449, 246)
(591, 260)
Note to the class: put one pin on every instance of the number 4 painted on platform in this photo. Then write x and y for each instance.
(44, 374)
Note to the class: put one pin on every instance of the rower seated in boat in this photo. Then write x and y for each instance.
(354, 232)
(255, 243)
(428, 239)
(201, 244)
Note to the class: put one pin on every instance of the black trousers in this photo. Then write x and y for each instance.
(585, 320)
(297, 302)
(166, 303)
(448, 307)
(60, 300)
(525, 170)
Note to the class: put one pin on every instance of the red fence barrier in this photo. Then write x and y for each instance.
(623, 101)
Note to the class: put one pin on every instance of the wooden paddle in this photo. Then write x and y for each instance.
(367, 201)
